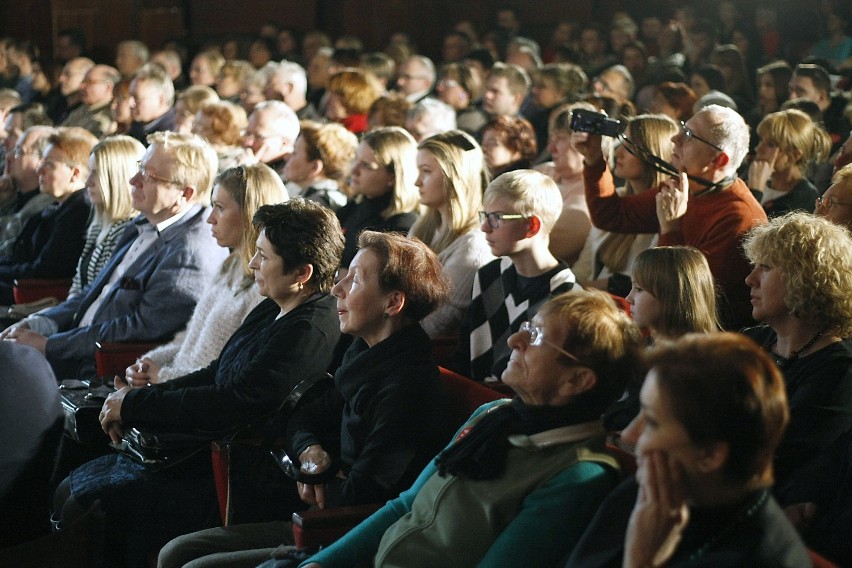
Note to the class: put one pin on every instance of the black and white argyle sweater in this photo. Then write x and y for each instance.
(502, 300)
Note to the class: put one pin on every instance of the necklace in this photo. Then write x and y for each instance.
(746, 512)
(784, 362)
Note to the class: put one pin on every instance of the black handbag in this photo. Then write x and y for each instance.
(81, 403)
(159, 449)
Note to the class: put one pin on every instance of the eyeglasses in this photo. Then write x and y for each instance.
(689, 133)
(148, 177)
(496, 219)
(830, 202)
(536, 339)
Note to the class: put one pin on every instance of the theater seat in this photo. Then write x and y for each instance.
(28, 290)
(113, 358)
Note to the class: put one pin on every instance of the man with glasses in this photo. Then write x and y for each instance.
(707, 206)
(21, 184)
(148, 289)
(271, 134)
(95, 114)
(152, 95)
(519, 210)
(416, 78)
(69, 86)
(836, 203)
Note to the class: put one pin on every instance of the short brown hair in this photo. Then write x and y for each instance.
(723, 387)
(74, 142)
(227, 121)
(333, 145)
(357, 90)
(516, 134)
(409, 266)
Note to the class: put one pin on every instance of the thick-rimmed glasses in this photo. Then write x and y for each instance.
(689, 133)
(830, 202)
(536, 339)
(148, 177)
(496, 219)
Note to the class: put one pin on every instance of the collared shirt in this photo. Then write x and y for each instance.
(148, 234)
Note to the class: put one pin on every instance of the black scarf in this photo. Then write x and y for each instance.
(481, 454)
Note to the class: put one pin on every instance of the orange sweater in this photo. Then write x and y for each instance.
(714, 224)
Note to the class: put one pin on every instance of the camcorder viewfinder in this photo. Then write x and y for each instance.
(583, 120)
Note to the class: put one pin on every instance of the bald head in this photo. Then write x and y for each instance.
(72, 75)
(98, 84)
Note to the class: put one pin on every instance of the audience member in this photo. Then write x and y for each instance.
(170, 60)
(272, 131)
(381, 66)
(416, 77)
(789, 143)
(520, 209)
(350, 94)
(508, 144)
(812, 82)
(112, 163)
(429, 117)
(151, 97)
(289, 83)
(96, 93)
(230, 80)
(150, 286)
(70, 80)
(553, 85)
(319, 165)
(773, 81)
(51, 242)
(384, 197)
(836, 203)
(505, 90)
(800, 292)
(25, 200)
(221, 123)
(130, 56)
(451, 179)
(187, 105)
(237, 195)
(732, 65)
(713, 412)
(461, 88)
(388, 110)
(205, 68)
(607, 258)
(706, 206)
(674, 100)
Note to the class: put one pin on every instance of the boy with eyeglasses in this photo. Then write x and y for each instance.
(520, 209)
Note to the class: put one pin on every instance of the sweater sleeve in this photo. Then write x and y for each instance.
(552, 518)
(629, 214)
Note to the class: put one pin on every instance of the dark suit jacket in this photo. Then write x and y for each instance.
(154, 299)
(49, 245)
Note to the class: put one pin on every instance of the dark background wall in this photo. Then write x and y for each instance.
(106, 22)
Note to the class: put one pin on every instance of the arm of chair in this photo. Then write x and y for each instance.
(114, 358)
(324, 526)
(31, 289)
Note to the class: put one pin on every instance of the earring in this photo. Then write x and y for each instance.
(301, 285)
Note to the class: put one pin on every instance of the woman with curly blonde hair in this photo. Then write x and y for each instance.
(801, 291)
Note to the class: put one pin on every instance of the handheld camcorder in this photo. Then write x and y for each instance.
(583, 120)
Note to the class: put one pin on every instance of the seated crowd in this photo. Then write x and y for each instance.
(318, 239)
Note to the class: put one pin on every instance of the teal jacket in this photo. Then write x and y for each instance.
(534, 514)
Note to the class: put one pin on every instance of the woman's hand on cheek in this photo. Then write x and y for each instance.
(660, 513)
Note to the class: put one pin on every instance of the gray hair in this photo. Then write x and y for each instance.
(730, 132)
(286, 123)
(293, 74)
(441, 115)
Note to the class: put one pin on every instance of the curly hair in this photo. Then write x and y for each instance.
(333, 145)
(814, 256)
(357, 89)
(227, 122)
(516, 134)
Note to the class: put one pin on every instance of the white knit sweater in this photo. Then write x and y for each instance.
(218, 314)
